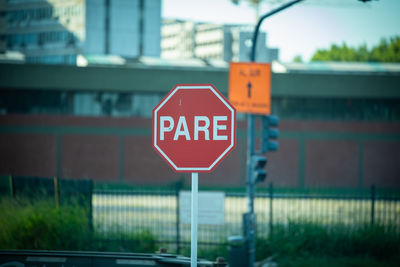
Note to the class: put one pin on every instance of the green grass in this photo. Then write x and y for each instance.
(142, 242)
(206, 251)
(308, 244)
(40, 225)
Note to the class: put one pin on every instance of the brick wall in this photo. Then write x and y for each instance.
(311, 153)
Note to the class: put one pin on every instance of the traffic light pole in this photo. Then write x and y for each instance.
(250, 153)
(250, 216)
(255, 34)
(250, 220)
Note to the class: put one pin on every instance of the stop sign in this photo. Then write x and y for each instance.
(194, 128)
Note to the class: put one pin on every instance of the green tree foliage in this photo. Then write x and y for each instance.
(298, 59)
(385, 51)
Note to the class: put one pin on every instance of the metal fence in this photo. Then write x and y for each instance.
(126, 212)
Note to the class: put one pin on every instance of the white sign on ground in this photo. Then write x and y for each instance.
(211, 207)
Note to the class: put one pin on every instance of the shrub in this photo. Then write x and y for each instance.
(302, 240)
(40, 225)
(141, 242)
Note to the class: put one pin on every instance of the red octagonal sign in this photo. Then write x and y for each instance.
(194, 128)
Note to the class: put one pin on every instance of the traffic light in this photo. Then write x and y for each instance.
(257, 167)
(269, 133)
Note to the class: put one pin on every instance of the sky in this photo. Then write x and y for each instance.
(304, 27)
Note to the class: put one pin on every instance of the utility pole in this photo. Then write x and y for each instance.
(252, 160)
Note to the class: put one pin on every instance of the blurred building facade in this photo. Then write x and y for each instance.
(187, 39)
(57, 31)
(339, 128)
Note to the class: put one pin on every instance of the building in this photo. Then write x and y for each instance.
(339, 123)
(56, 31)
(207, 41)
(177, 39)
(213, 41)
(263, 53)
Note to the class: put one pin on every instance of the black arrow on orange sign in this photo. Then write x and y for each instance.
(249, 90)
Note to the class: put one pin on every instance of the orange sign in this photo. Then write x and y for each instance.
(250, 87)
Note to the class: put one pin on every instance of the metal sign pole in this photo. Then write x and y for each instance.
(194, 213)
(250, 232)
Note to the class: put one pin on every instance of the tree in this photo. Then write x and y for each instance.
(385, 51)
(297, 58)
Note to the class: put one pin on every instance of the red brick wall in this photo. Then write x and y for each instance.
(88, 156)
(311, 153)
(142, 164)
(283, 165)
(28, 154)
(332, 163)
(381, 163)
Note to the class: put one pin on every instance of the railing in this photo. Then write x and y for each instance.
(133, 211)
(127, 214)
